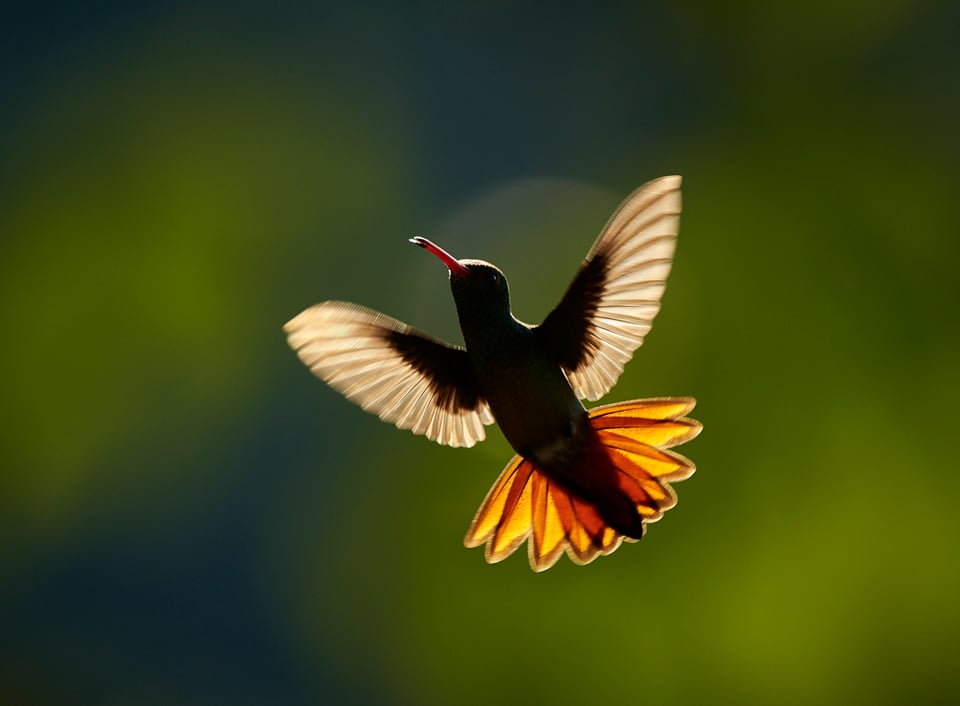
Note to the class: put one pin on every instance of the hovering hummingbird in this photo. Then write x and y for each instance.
(583, 480)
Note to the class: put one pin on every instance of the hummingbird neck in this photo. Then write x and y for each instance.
(482, 297)
(483, 332)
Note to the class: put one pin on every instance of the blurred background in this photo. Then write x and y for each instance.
(187, 516)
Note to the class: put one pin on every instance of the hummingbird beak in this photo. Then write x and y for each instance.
(449, 260)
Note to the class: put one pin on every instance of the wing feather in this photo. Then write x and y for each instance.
(392, 370)
(610, 306)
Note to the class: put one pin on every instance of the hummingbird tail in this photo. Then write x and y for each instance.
(630, 468)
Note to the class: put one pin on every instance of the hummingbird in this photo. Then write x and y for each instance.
(582, 480)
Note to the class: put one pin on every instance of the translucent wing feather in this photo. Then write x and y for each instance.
(400, 374)
(610, 306)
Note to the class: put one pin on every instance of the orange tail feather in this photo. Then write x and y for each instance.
(624, 486)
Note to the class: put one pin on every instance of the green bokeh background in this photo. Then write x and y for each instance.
(188, 517)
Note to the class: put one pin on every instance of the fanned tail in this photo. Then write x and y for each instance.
(629, 471)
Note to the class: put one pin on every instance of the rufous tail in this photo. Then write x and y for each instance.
(632, 468)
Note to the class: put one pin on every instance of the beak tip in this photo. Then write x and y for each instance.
(449, 260)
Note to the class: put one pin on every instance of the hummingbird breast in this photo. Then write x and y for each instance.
(529, 395)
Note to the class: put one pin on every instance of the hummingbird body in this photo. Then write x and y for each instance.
(532, 402)
(582, 480)
(527, 391)
(535, 407)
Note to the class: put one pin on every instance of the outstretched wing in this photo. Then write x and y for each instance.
(611, 303)
(400, 374)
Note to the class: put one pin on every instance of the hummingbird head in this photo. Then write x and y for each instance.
(479, 288)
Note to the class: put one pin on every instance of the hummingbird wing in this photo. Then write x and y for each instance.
(393, 370)
(611, 303)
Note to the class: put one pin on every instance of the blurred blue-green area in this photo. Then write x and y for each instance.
(188, 517)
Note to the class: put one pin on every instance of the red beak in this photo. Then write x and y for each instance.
(452, 263)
